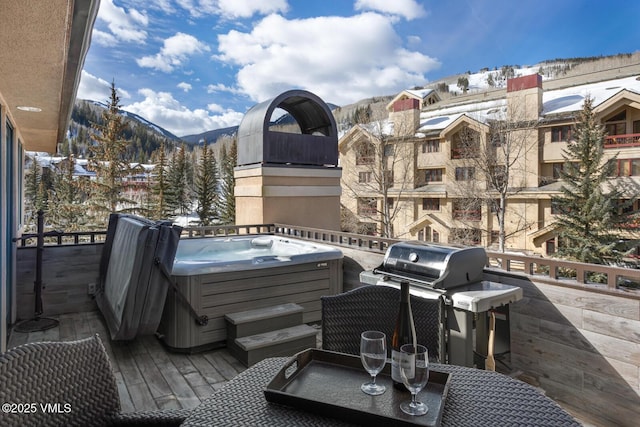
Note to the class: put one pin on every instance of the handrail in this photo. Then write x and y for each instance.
(559, 272)
(60, 238)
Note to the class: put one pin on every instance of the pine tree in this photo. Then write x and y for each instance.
(108, 161)
(227, 182)
(591, 213)
(36, 194)
(66, 200)
(179, 194)
(206, 183)
(159, 208)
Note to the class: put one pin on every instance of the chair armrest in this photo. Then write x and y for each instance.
(161, 418)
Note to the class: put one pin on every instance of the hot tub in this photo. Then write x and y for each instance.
(224, 275)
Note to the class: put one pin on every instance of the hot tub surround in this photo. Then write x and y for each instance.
(219, 276)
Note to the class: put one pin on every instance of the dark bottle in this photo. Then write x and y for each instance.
(402, 334)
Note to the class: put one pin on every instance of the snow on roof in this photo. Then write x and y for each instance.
(420, 93)
(571, 98)
(553, 102)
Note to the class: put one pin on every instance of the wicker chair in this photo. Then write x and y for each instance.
(345, 316)
(75, 375)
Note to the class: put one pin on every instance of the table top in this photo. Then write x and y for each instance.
(476, 398)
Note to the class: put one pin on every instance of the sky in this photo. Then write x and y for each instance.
(197, 65)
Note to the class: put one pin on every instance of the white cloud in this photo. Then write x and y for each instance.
(248, 8)
(174, 53)
(164, 110)
(408, 9)
(220, 87)
(96, 89)
(185, 86)
(340, 59)
(231, 9)
(124, 26)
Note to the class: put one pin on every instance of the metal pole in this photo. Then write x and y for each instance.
(39, 249)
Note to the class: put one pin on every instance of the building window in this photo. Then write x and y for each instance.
(557, 170)
(390, 203)
(467, 210)
(466, 236)
(550, 246)
(465, 144)
(435, 237)
(431, 146)
(433, 175)
(365, 154)
(388, 150)
(364, 177)
(628, 167)
(466, 173)
(430, 204)
(367, 206)
(616, 128)
(561, 133)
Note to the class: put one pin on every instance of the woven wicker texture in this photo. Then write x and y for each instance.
(345, 316)
(476, 398)
(76, 375)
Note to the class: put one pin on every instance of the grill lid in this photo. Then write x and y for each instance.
(440, 267)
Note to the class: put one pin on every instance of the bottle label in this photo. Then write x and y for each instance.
(401, 359)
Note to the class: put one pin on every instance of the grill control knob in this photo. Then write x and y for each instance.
(413, 257)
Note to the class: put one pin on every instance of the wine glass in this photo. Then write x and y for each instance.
(414, 371)
(373, 353)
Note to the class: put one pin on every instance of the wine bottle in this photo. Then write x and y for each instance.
(404, 333)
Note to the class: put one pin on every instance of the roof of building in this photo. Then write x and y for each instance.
(554, 102)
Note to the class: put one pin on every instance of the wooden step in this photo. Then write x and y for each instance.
(282, 342)
(257, 321)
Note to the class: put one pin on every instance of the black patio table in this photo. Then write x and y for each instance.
(476, 398)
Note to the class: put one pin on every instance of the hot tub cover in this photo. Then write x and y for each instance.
(131, 288)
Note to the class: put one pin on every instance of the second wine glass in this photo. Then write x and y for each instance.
(373, 353)
(414, 370)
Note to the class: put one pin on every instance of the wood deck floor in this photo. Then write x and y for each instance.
(148, 376)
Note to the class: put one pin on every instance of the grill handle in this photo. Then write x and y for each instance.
(410, 279)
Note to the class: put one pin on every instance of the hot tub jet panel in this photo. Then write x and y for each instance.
(220, 276)
(455, 276)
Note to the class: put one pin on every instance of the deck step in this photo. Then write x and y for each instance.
(258, 321)
(282, 342)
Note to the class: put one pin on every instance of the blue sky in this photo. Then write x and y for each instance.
(196, 65)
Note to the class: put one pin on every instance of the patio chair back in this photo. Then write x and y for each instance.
(345, 316)
(61, 383)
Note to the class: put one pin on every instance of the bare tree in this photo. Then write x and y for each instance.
(382, 174)
(491, 169)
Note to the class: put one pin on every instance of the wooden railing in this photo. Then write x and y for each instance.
(591, 276)
(566, 273)
(627, 140)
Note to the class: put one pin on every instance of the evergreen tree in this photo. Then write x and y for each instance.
(227, 182)
(160, 208)
(108, 161)
(591, 213)
(179, 194)
(66, 200)
(206, 183)
(35, 193)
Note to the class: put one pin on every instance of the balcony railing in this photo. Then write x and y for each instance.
(576, 274)
(467, 214)
(617, 141)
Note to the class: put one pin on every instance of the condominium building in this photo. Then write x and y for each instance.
(422, 173)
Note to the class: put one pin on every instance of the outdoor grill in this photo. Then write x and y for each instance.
(455, 275)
